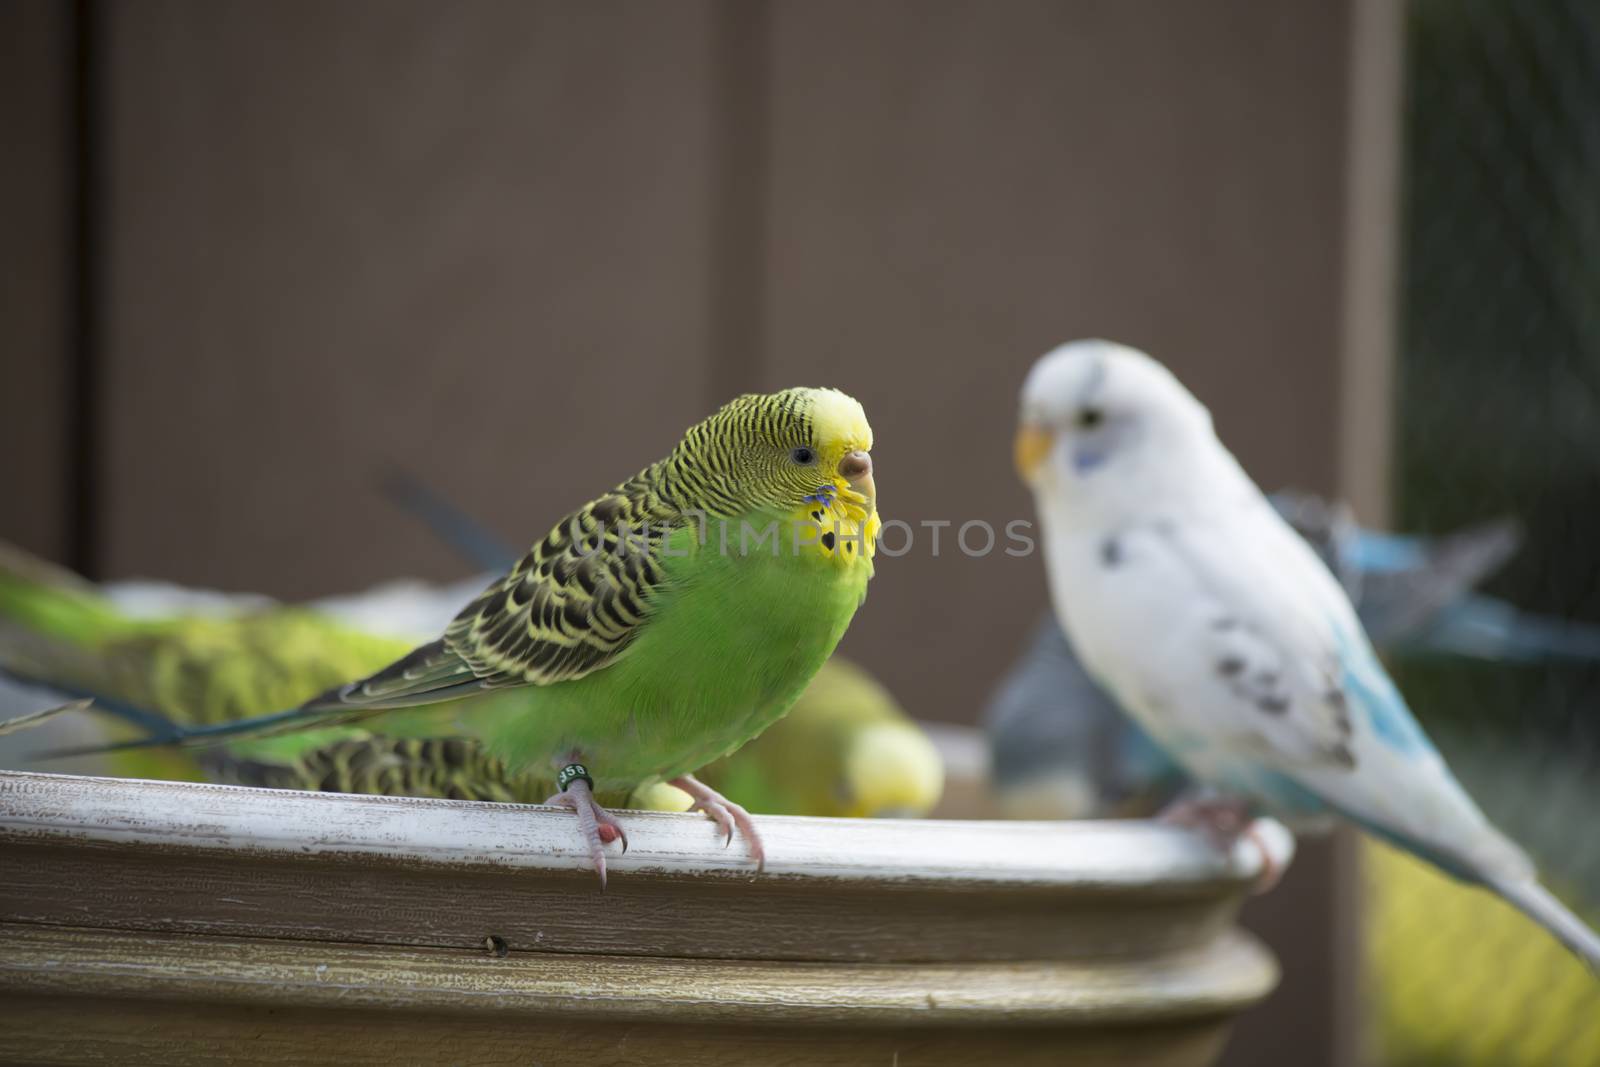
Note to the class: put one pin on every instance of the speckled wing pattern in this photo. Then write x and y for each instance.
(569, 607)
(452, 768)
(1284, 683)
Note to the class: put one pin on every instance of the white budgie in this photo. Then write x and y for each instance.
(1212, 623)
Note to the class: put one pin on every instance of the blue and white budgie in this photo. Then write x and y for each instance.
(1061, 749)
(1219, 630)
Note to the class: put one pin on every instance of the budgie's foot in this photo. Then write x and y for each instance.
(727, 815)
(1224, 820)
(597, 825)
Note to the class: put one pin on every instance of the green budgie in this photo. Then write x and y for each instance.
(845, 749)
(653, 630)
(191, 670)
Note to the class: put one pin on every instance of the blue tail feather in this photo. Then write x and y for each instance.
(465, 535)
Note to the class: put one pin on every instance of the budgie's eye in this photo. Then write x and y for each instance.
(1089, 418)
(804, 456)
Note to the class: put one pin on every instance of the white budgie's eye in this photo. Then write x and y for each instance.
(1089, 418)
(803, 456)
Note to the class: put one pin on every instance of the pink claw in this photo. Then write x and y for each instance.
(597, 825)
(726, 814)
(1223, 821)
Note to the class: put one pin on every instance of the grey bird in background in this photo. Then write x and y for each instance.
(1060, 749)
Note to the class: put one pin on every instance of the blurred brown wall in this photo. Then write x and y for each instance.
(36, 275)
(954, 188)
(493, 246)
(514, 248)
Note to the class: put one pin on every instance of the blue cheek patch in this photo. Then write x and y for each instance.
(824, 495)
(1085, 460)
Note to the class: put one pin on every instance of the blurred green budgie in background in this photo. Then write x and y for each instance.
(190, 668)
(846, 748)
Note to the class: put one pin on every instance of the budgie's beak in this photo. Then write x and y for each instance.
(856, 468)
(1032, 445)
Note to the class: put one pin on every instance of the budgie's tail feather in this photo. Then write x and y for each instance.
(431, 674)
(1491, 629)
(467, 536)
(1540, 905)
(1495, 862)
(221, 733)
(148, 721)
(33, 658)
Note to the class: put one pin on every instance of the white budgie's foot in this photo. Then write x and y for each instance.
(1224, 821)
(597, 825)
(725, 813)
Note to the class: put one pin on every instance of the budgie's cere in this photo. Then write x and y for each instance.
(658, 627)
(1219, 630)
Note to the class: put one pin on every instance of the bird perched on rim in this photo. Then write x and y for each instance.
(846, 748)
(1215, 626)
(654, 629)
(164, 656)
(1061, 748)
(160, 657)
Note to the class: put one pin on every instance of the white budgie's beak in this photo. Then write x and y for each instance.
(1032, 446)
